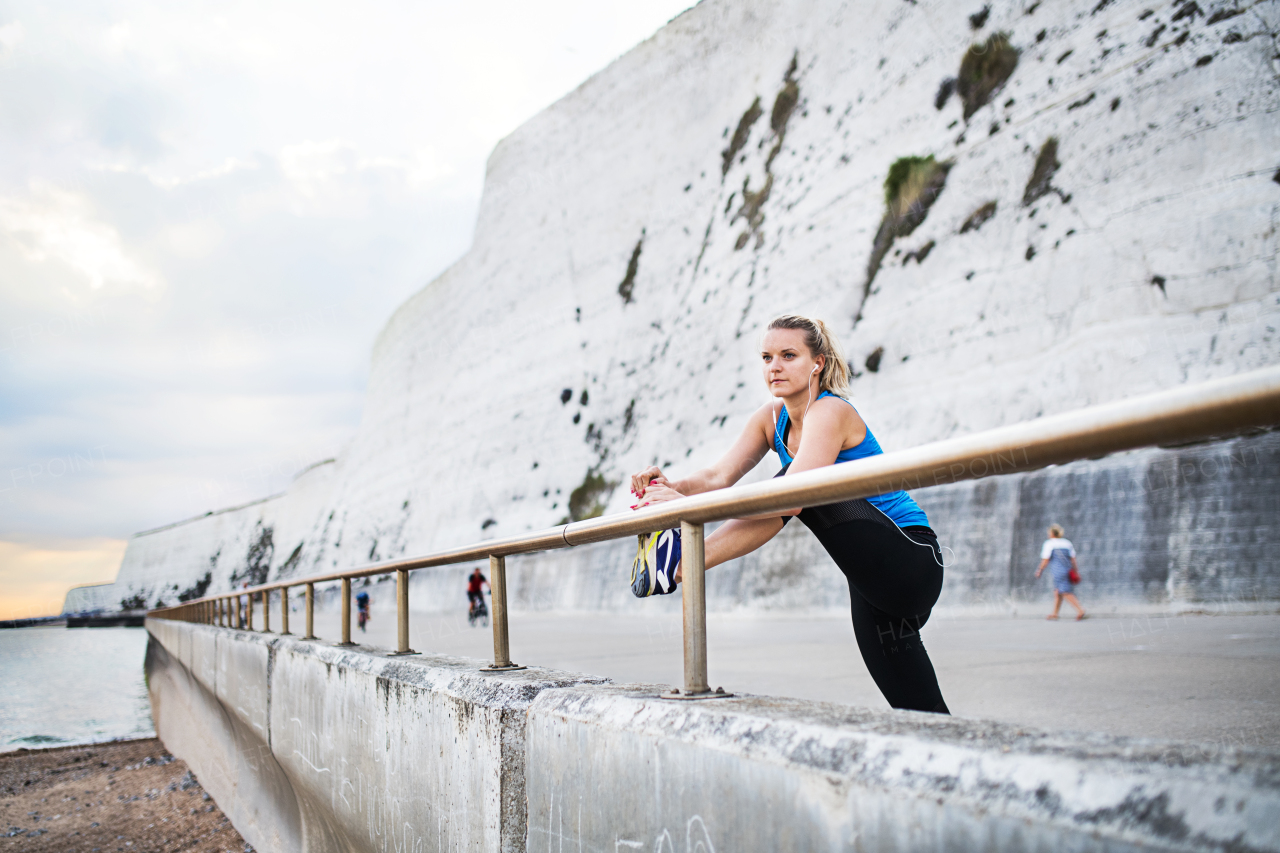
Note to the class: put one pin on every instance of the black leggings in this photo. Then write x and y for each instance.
(895, 576)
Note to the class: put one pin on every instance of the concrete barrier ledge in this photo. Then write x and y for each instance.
(311, 747)
(616, 768)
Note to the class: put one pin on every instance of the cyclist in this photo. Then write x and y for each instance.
(362, 608)
(882, 544)
(475, 597)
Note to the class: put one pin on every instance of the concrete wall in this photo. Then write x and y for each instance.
(308, 747)
(311, 748)
(1150, 262)
(613, 768)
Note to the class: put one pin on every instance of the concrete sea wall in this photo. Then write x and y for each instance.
(310, 748)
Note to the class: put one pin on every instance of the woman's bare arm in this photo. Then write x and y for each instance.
(651, 486)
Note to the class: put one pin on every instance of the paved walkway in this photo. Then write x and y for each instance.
(1211, 679)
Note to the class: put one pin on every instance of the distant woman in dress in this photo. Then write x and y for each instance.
(882, 544)
(1060, 556)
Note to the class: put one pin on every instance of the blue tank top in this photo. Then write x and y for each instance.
(899, 506)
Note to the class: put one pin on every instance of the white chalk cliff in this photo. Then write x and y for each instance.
(635, 237)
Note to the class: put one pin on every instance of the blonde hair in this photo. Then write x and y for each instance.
(1056, 531)
(821, 342)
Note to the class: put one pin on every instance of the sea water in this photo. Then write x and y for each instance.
(72, 685)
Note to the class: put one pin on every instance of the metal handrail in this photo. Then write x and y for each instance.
(1207, 410)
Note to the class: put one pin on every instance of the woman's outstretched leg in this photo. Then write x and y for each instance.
(736, 538)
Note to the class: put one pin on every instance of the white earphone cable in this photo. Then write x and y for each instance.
(932, 553)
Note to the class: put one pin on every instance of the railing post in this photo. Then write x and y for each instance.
(284, 610)
(219, 610)
(693, 591)
(311, 612)
(402, 614)
(248, 611)
(501, 639)
(346, 613)
(234, 602)
(266, 611)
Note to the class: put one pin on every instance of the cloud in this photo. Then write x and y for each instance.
(208, 210)
(36, 578)
(10, 35)
(59, 226)
(334, 176)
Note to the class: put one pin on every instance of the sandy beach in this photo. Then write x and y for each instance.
(122, 797)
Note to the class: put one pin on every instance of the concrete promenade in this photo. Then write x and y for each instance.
(1209, 679)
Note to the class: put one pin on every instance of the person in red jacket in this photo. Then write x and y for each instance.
(475, 597)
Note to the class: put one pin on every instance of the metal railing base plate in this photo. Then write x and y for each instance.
(510, 668)
(718, 693)
(405, 653)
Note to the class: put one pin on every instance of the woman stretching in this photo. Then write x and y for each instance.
(883, 544)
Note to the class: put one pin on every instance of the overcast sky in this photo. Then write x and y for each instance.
(207, 212)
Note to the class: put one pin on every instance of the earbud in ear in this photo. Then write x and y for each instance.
(815, 369)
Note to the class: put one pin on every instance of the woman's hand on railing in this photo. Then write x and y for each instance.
(640, 481)
(656, 491)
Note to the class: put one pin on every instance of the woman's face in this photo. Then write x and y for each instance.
(787, 363)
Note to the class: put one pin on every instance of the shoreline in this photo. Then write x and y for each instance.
(8, 750)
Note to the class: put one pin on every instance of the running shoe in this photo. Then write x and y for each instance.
(654, 568)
